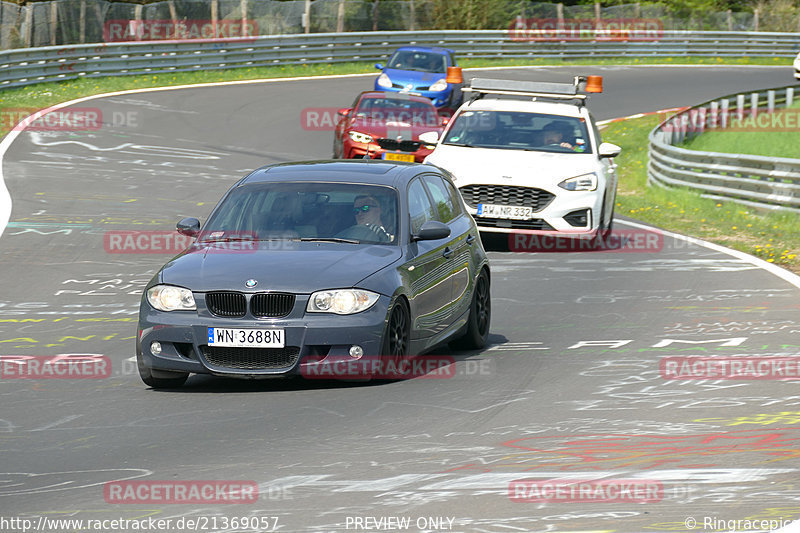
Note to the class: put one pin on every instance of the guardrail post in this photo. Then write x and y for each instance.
(714, 115)
(789, 96)
(770, 101)
(412, 15)
(754, 104)
(740, 106)
(725, 113)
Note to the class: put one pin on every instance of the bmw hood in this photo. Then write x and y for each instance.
(297, 267)
(512, 167)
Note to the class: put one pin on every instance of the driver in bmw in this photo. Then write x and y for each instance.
(367, 211)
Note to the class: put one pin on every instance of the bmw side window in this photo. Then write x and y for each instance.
(419, 206)
(455, 198)
(445, 209)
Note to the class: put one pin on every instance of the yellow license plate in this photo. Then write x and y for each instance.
(393, 156)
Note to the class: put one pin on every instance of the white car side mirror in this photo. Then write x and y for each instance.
(429, 137)
(606, 150)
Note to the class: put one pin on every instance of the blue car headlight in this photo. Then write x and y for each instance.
(341, 301)
(438, 86)
(384, 81)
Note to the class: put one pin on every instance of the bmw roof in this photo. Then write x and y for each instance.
(367, 171)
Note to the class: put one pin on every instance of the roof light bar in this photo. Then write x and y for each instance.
(542, 89)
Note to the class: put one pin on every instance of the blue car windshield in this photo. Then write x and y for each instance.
(349, 213)
(420, 61)
(515, 130)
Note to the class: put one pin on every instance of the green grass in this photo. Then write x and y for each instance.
(778, 139)
(774, 237)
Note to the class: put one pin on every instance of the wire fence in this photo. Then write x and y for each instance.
(63, 22)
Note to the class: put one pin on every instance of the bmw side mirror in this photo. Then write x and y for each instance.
(379, 66)
(608, 150)
(343, 112)
(432, 230)
(189, 226)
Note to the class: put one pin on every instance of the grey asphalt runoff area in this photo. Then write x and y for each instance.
(573, 386)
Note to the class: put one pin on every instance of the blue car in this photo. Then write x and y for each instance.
(303, 265)
(421, 70)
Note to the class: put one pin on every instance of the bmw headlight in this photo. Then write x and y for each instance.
(360, 137)
(439, 85)
(171, 298)
(384, 81)
(584, 182)
(341, 301)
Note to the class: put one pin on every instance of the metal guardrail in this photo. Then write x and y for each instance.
(20, 67)
(756, 181)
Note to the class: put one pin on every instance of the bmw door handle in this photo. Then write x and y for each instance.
(470, 239)
(447, 253)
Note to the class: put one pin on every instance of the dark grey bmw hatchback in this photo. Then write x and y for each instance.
(301, 264)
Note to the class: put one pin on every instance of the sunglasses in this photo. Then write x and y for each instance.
(364, 209)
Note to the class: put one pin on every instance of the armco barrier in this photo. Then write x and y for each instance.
(21, 67)
(756, 181)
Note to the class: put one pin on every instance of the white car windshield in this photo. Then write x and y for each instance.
(517, 130)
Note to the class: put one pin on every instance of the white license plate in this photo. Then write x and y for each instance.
(505, 211)
(246, 338)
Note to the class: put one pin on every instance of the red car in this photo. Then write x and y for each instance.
(387, 125)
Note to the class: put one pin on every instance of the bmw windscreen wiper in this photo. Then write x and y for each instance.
(329, 239)
(467, 145)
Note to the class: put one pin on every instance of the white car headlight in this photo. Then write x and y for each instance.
(171, 298)
(341, 301)
(360, 137)
(384, 81)
(440, 85)
(584, 182)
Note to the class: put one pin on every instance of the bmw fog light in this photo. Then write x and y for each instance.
(155, 348)
(356, 351)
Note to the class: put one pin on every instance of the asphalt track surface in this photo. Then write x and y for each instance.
(570, 386)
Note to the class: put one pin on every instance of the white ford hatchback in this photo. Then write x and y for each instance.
(528, 158)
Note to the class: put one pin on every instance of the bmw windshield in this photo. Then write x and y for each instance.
(334, 212)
